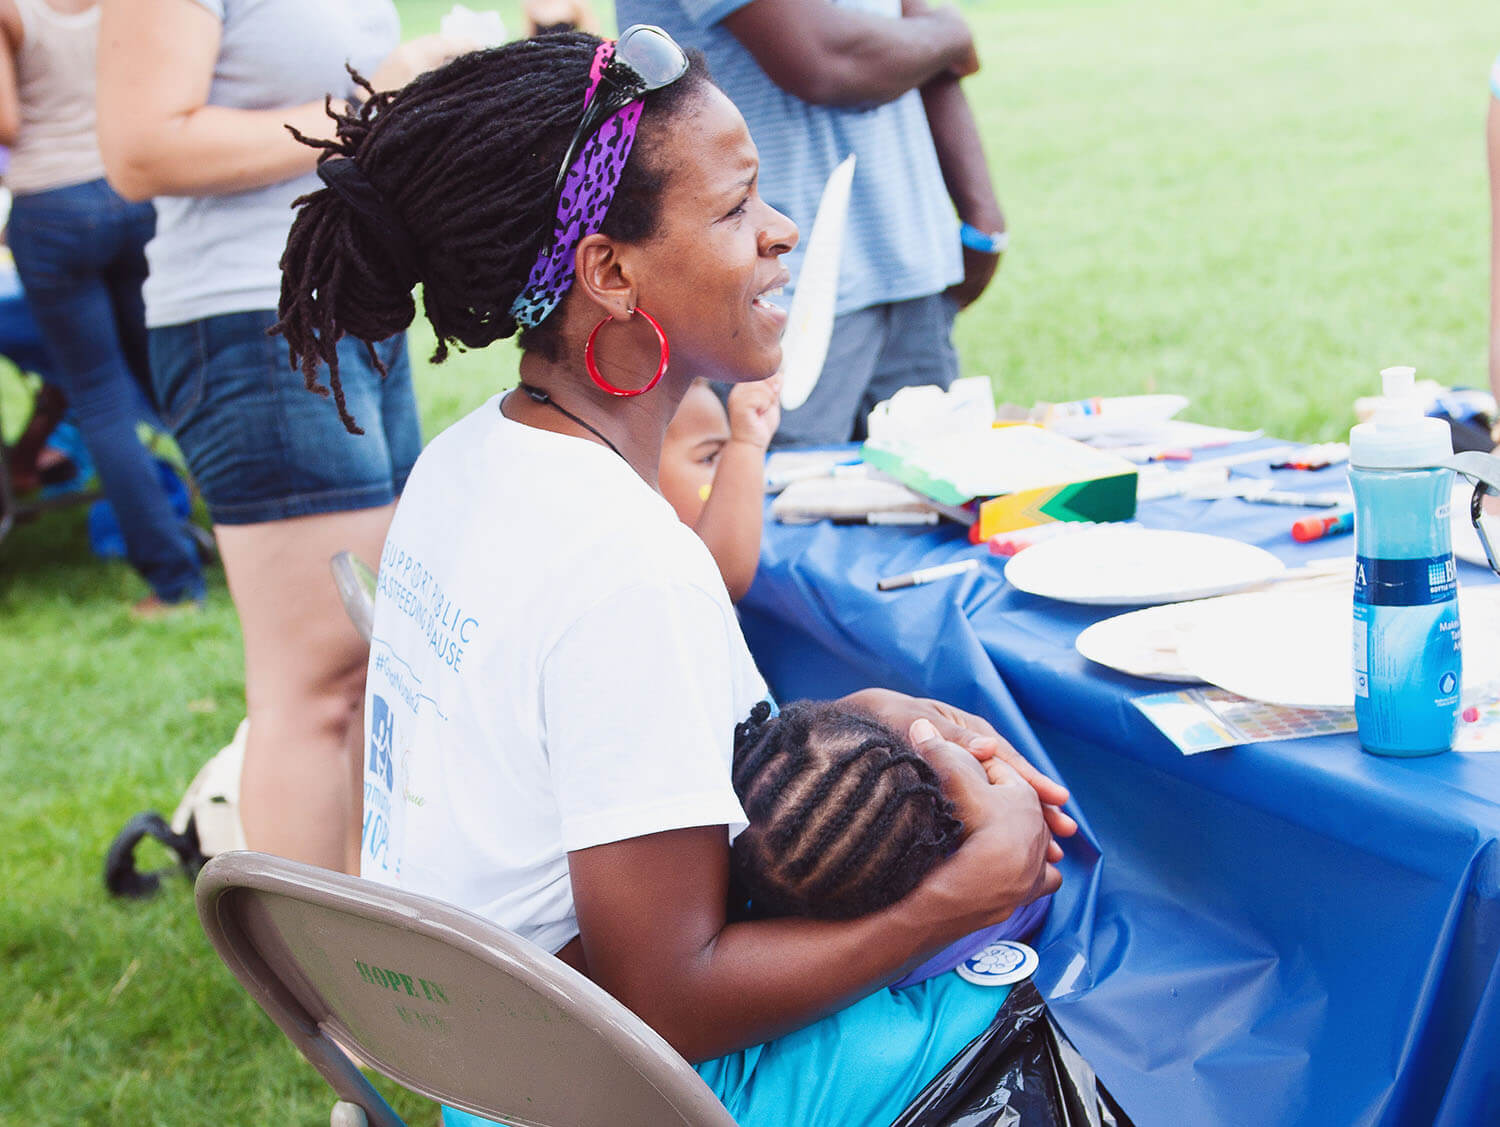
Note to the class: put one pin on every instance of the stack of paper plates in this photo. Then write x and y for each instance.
(1142, 643)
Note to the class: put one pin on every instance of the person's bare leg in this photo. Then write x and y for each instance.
(304, 681)
(354, 756)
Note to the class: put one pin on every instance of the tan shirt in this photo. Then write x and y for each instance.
(57, 145)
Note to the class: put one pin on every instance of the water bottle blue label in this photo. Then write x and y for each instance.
(1404, 583)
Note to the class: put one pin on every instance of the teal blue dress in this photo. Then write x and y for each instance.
(855, 1068)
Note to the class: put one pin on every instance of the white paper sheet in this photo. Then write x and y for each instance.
(809, 323)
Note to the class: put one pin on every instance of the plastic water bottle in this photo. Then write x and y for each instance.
(1407, 650)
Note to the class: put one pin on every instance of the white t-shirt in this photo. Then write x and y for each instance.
(555, 665)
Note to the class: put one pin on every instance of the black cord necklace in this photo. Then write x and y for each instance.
(537, 395)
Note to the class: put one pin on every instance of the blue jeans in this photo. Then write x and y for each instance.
(80, 252)
(264, 448)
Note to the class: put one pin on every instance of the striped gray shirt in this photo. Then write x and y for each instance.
(902, 238)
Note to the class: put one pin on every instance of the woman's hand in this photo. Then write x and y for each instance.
(1006, 859)
(976, 735)
(418, 56)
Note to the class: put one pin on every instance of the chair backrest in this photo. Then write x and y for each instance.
(356, 584)
(439, 1000)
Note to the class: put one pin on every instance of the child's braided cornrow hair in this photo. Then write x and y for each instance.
(845, 817)
(462, 161)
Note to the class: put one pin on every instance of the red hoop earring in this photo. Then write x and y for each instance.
(661, 368)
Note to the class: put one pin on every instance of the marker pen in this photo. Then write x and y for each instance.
(1315, 528)
(892, 518)
(1327, 500)
(926, 575)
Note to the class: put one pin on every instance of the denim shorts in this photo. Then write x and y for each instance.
(259, 444)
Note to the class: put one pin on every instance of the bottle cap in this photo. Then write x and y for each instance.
(1399, 382)
(1001, 963)
(1400, 436)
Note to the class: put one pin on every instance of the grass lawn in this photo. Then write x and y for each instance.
(1257, 205)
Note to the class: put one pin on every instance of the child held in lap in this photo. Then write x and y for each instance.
(846, 818)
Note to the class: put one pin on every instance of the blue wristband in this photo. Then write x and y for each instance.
(975, 239)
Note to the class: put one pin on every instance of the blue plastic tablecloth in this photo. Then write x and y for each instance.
(1281, 933)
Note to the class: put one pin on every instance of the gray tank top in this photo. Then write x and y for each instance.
(219, 254)
(57, 145)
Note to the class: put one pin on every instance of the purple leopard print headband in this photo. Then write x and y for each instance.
(586, 195)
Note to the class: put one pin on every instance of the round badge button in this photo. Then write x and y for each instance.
(1000, 964)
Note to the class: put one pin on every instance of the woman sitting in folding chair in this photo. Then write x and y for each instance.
(556, 670)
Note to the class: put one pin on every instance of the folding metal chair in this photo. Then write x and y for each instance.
(356, 584)
(443, 1002)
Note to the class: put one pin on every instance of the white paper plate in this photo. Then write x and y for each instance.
(1109, 566)
(1294, 647)
(1142, 643)
(1283, 647)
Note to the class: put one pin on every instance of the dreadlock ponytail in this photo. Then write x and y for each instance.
(446, 184)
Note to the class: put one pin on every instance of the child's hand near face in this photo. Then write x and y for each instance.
(755, 412)
(712, 472)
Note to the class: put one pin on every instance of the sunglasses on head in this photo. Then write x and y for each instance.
(646, 58)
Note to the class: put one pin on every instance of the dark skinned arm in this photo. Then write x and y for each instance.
(651, 917)
(960, 153)
(838, 57)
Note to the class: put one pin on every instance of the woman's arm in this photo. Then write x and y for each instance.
(158, 136)
(651, 915)
(11, 33)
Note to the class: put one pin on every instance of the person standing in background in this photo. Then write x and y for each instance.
(545, 16)
(195, 101)
(80, 252)
(1493, 132)
(817, 80)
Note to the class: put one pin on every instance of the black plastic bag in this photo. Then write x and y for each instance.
(122, 877)
(1020, 1072)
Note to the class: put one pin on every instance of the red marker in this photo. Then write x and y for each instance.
(1315, 528)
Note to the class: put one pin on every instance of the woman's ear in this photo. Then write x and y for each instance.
(603, 276)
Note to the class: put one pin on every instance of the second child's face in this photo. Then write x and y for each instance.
(718, 249)
(690, 452)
